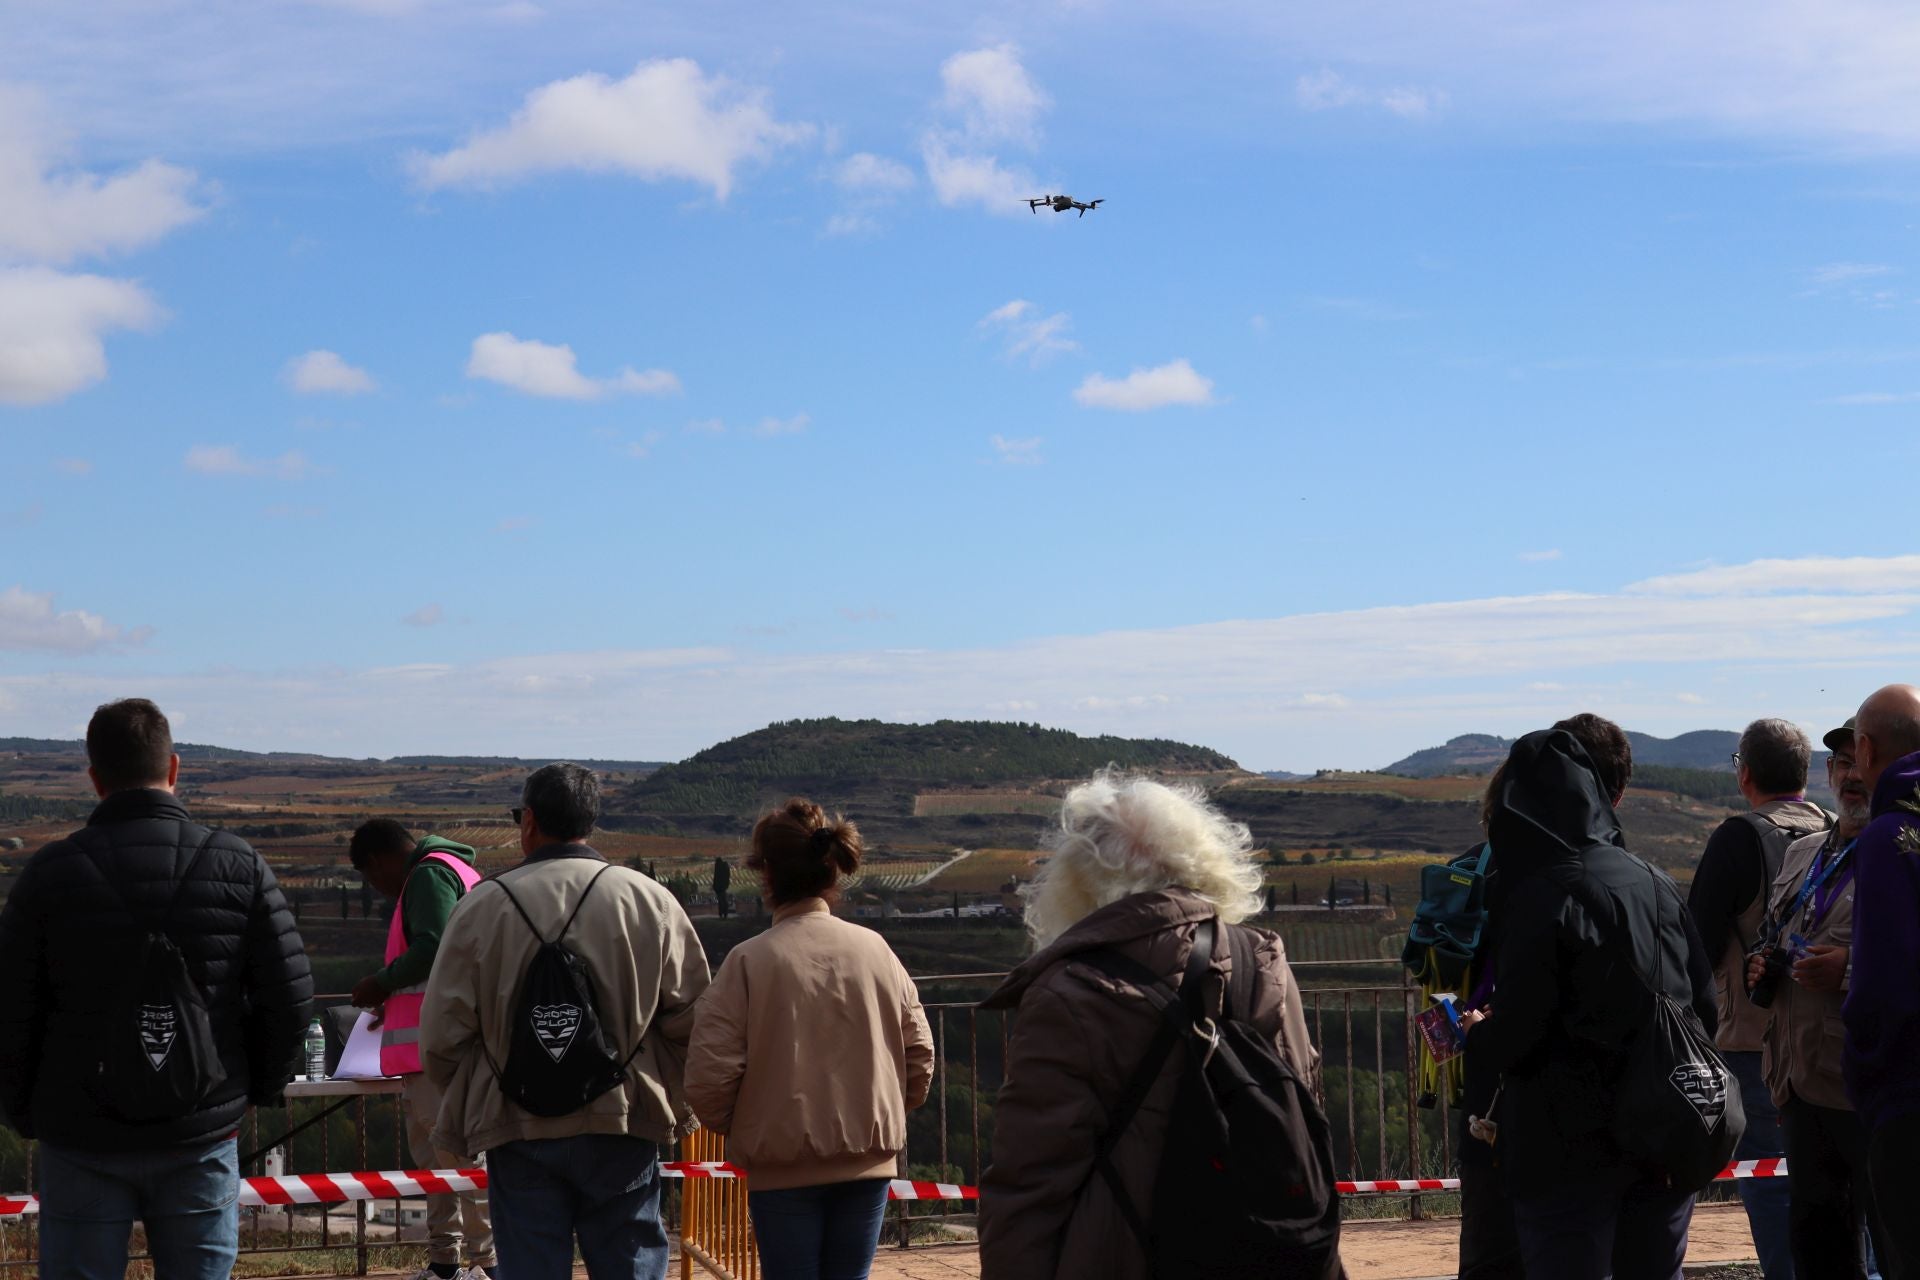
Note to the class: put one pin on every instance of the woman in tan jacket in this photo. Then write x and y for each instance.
(1134, 866)
(808, 1051)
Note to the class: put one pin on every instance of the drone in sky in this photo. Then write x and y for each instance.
(1060, 204)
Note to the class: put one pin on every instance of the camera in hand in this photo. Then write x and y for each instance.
(1779, 960)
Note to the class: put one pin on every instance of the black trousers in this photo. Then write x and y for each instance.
(1489, 1246)
(1827, 1157)
(1895, 1179)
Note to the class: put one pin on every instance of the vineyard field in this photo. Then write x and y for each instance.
(952, 804)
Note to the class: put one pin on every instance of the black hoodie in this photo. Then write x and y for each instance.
(1577, 914)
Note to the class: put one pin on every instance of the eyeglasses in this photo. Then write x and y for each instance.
(1736, 759)
(517, 814)
(1842, 763)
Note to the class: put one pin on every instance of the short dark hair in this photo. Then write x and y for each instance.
(129, 744)
(565, 799)
(1776, 754)
(377, 838)
(801, 853)
(1607, 747)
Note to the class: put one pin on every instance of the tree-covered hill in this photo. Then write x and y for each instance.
(832, 756)
(1470, 753)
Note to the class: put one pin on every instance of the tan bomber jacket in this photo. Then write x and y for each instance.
(648, 970)
(808, 1051)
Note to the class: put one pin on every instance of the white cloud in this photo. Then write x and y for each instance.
(322, 372)
(667, 120)
(1028, 333)
(1539, 557)
(1017, 453)
(51, 217)
(1412, 675)
(543, 369)
(1690, 699)
(1175, 382)
(427, 615)
(975, 179)
(1848, 272)
(994, 97)
(30, 623)
(1323, 701)
(51, 326)
(226, 460)
(643, 447)
(1878, 397)
(707, 427)
(793, 426)
(851, 224)
(1328, 90)
(866, 173)
(1830, 574)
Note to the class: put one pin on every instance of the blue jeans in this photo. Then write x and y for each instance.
(819, 1233)
(1768, 1200)
(602, 1188)
(188, 1197)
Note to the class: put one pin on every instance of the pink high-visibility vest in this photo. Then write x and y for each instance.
(400, 1020)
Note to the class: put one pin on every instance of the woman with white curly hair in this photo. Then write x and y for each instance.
(1136, 867)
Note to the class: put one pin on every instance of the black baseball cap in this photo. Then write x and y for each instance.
(1840, 739)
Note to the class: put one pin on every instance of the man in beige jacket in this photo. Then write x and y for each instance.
(1826, 1143)
(592, 1173)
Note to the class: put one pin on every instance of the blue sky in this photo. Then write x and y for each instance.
(565, 379)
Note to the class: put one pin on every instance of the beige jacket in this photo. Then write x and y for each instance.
(1076, 1041)
(1743, 1024)
(1805, 1035)
(648, 970)
(808, 1051)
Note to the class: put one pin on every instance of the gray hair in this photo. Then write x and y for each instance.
(1122, 834)
(1776, 753)
(565, 799)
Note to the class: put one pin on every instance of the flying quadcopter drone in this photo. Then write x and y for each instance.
(1060, 204)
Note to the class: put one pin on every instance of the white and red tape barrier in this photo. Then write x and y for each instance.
(340, 1188)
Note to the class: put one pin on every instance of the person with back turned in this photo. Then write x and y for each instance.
(1727, 899)
(155, 986)
(1881, 1060)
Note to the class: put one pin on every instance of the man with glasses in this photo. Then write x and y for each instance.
(1728, 900)
(1882, 1010)
(1802, 966)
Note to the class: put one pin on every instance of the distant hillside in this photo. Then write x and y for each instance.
(199, 753)
(830, 757)
(1471, 753)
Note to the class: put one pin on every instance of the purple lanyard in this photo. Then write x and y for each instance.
(1825, 878)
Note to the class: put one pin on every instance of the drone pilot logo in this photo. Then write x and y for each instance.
(1703, 1088)
(159, 1027)
(555, 1025)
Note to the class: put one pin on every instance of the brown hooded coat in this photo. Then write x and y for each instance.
(1077, 1038)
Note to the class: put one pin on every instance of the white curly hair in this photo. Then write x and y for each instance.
(1121, 834)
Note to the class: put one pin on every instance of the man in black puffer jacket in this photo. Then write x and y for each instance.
(1577, 913)
(68, 937)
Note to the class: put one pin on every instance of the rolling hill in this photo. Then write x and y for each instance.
(1472, 753)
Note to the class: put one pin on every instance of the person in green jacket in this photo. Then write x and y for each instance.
(426, 879)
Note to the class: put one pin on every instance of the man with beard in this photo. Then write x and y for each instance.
(1804, 972)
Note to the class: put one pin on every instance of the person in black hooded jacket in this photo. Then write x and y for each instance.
(1578, 914)
(68, 935)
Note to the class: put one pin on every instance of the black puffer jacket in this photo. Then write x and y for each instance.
(65, 936)
(1577, 913)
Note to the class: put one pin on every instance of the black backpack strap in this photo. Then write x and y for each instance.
(173, 900)
(522, 910)
(1244, 955)
(583, 901)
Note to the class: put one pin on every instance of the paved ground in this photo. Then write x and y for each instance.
(1371, 1250)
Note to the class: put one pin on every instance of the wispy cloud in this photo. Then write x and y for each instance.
(1328, 90)
(866, 174)
(29, 623)
(1173, 383)
(226, 460)
(321, 372)
(1848, 272)
(1028, 333)
(73, 466)
(990, 102)
(1877, 397)
(793, 426)
(427, 615)
(538, 368)
(667, 120)
(1017, 453)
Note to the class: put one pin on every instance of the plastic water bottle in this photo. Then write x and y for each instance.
(316, 1051)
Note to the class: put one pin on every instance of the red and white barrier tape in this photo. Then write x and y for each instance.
(341, 1188)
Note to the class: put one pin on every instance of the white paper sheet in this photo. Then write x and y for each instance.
(360, 1060)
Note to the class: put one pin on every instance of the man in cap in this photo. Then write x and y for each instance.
(1882, 1009)
(1800, 971)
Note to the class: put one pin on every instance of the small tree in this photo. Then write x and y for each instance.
(1306, 859)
